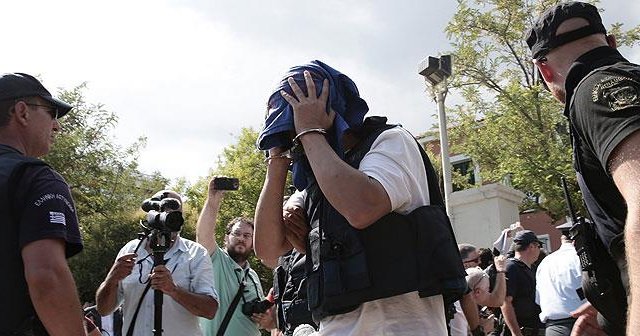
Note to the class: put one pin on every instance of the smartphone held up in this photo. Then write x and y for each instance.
(226, 183)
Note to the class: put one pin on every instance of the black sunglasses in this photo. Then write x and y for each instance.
(472, 260)
(542, 60)
(52, 110)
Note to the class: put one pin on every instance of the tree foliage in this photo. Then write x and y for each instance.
(105, 184)
(508, 123)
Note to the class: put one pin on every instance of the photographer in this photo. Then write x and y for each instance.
(186, 279)
(241, 295)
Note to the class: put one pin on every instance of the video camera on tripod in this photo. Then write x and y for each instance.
(163, 219)
(157, 215)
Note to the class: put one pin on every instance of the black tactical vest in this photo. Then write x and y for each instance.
(290, 288)
(397, 254)
(16, 311)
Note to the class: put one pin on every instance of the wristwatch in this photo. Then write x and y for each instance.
(478, 331)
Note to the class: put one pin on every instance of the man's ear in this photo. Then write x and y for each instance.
(21, 113)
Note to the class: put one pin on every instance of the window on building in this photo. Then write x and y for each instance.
(465, 167)
(546, 242)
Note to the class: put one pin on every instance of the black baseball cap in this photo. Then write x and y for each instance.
(565, 227)
(20, 85)
(542, 36)
(526, 237)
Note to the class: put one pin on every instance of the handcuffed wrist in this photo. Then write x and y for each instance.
(286, 155)
(307, 131)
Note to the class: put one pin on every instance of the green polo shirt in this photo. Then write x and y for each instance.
(228, 275)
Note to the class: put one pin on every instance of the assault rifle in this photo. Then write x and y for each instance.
(581, 232)
(601, 282)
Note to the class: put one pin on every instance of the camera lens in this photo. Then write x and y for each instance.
(167, 221)
(169, 204)
(173, 220)
(150, 204)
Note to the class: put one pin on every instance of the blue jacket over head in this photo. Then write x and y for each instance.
(344, 99)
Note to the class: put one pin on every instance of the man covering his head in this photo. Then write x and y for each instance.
(343, 99)
(360, 182)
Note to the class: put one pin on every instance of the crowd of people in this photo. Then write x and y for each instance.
(364, 246)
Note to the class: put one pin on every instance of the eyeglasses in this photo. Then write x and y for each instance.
(246, 236)
(53, 111)
(472, 260)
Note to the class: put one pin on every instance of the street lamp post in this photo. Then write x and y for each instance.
(436, 71)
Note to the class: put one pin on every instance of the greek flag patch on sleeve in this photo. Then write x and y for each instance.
(57, 218)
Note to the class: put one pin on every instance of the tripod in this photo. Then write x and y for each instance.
(160, 242)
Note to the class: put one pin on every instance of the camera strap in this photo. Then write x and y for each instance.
(144, 292)
(135, 315)
(231, 310)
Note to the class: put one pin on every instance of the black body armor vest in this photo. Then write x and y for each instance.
(290, 288)
(397, 254)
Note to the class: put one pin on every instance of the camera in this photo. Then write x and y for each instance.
(158, 216)
(155, 203)
(256, 306)
(165, 221)
(485, 312)
(226, 183)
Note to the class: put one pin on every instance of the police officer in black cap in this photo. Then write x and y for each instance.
(601, 92)
(38, 223)
(519, 309)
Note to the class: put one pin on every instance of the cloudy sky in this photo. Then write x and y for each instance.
(189, 74)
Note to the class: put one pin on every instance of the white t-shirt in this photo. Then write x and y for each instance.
(395, 161)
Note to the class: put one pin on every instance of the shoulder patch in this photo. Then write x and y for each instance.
(57, 218)
(617, 92)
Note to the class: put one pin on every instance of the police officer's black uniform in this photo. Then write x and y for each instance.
(603, 108)
(521, 286)
(35, 204)
(604, 94)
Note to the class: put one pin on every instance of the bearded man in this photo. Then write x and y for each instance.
(236, 281)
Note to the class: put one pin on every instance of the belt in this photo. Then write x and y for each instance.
(563, 321)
